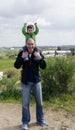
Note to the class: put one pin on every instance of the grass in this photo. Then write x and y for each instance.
(10, 100)
(6, 64)
(63, 102)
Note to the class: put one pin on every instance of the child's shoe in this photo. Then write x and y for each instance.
(26, 58)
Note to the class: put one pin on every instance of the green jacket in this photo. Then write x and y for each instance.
(27, 36)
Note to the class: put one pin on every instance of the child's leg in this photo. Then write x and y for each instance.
(24, 48)
(37, 50)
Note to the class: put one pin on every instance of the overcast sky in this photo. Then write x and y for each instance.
(55, 18)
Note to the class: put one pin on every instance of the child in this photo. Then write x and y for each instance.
(29, 32)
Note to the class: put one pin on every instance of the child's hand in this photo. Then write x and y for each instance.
(24, 54)
(25, 24)
(37, 54)
(35, 24)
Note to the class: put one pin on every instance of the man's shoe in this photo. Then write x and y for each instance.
(43, 123)
(24, 127)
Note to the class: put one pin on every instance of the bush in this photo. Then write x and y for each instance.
(57, 77)
(10, 85)
(12, 73)
(10, 89)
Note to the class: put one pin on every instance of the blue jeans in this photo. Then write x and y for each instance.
(37, 92)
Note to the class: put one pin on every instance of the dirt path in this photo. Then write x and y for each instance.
(10, 118)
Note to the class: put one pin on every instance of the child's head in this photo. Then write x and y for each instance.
(30, 29)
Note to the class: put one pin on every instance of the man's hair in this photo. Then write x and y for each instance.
(30, 39)
(30, 27)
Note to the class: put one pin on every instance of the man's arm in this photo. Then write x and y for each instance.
(42, 62)
(19, 61)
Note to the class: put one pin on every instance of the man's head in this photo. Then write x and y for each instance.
(30, 45)
(30, 29)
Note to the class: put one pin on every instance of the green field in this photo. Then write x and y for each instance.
(6, 64)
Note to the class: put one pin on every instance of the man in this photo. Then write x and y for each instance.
(31, 81)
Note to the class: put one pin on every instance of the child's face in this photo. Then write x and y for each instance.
(30, 31)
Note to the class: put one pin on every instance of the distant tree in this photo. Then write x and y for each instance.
(58, 48)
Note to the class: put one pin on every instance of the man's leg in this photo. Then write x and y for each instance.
(37, 90)
(25, 103)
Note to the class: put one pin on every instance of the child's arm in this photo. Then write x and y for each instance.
(24, 29)
(36, 29)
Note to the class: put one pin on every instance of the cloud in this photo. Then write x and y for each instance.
(53, 18)
(21, 7)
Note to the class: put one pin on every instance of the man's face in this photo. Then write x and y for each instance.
(30, 45)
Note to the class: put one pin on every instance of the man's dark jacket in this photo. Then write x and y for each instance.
(20, 63)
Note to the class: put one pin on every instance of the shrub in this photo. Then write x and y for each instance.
(57, 77)
(10, 85)
(12, 73)
(10, 89)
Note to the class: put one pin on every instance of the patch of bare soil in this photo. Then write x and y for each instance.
(10, 118)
